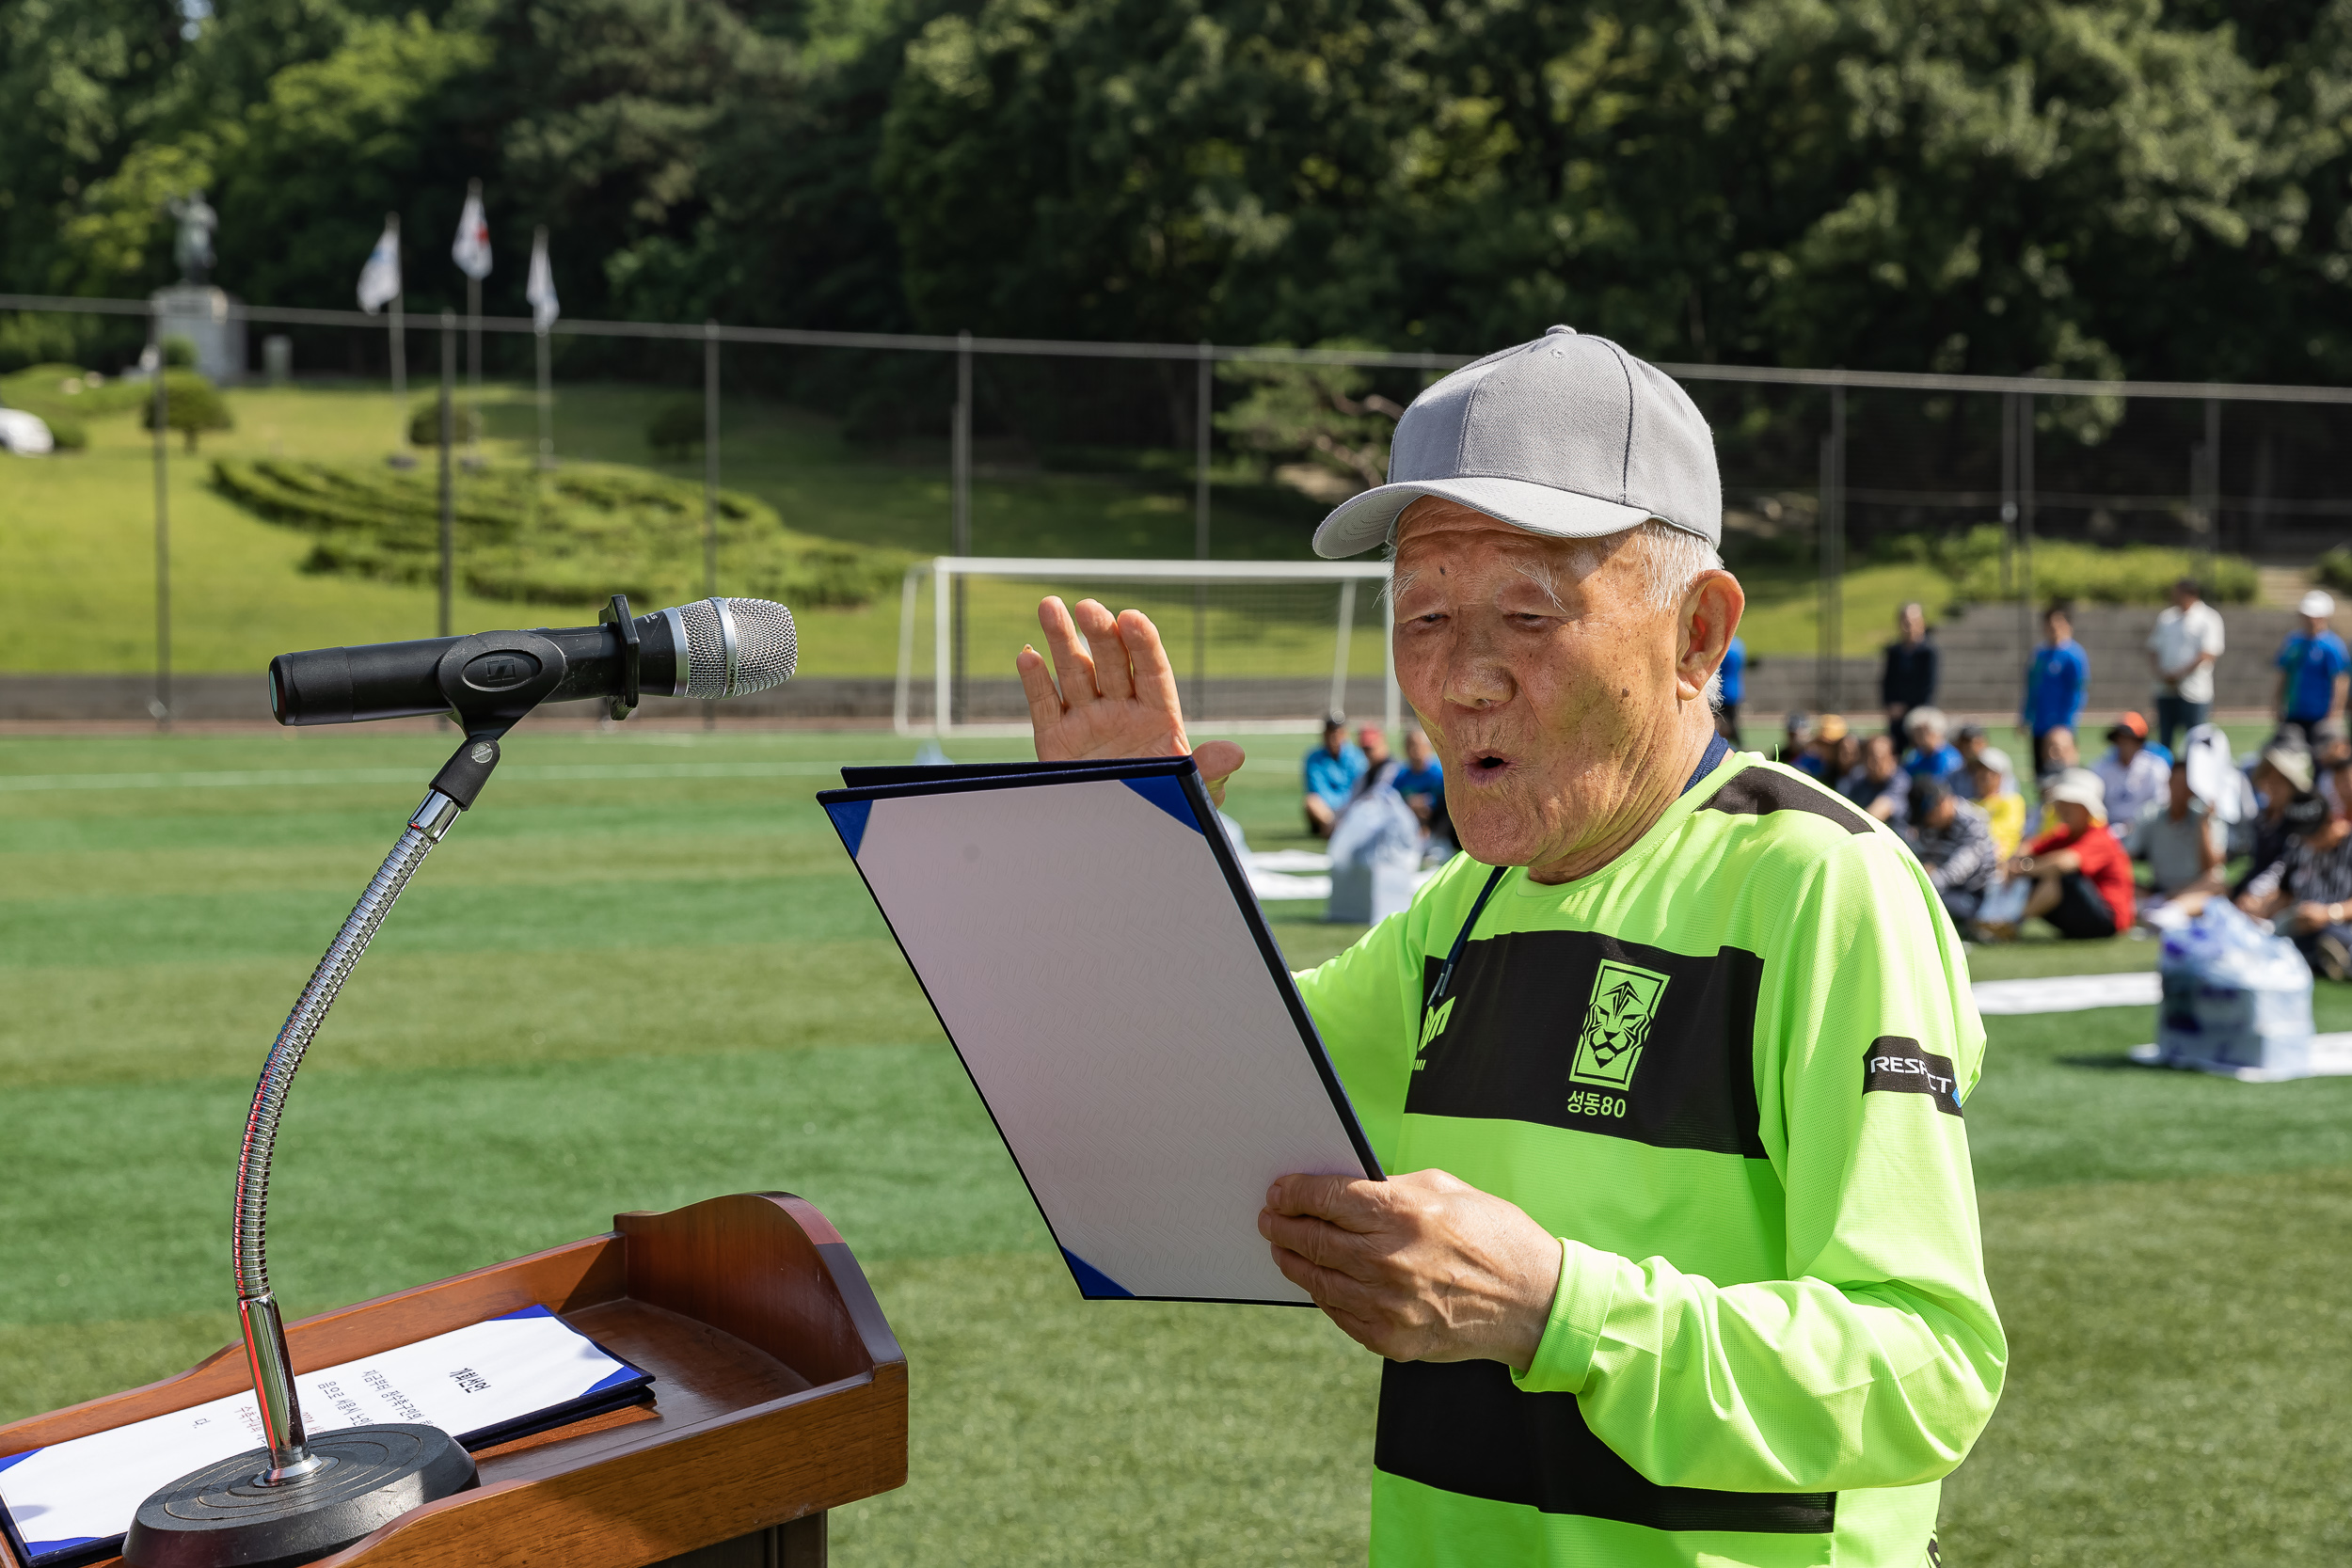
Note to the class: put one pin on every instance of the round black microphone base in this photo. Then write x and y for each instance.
(223, 1516)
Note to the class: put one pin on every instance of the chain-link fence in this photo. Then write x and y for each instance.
(346, 478)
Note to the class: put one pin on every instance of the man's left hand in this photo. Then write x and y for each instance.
(1421, 1267)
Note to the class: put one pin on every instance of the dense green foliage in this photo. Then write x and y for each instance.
(2151, 186)
(572, 537)
(677, 428)
(424, 423)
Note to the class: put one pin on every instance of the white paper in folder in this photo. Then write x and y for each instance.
(1096, 956)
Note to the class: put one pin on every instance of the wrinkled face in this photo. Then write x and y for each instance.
(1539, 688)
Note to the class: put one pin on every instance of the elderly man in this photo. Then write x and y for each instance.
(1679, 1261)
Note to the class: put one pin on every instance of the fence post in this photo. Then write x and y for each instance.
(547, 403)
(710, 458)
(2008, 548)
(160, 704)
(448, 499)
(2025, 500)
(2208, 477)
(1829, 684)
(1204, 409)
(959, 514)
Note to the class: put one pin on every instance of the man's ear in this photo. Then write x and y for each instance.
(1711, 606)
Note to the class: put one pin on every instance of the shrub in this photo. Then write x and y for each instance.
(675, 428)
(179, 353)
(571, 537)
(2334, 569)
(2087, 573)
(424, 423)
(191, 405)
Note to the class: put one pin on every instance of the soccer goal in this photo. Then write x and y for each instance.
(1259, 647)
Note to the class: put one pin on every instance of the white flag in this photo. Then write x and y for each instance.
(379, 280)
(472, 250)
(540, 289)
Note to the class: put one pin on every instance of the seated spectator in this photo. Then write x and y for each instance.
(2082, 879)
(1878, 783)
(1835, 751)
(1954, 844)
(1931, 755)
(2331, 756)
(2182, 844)
(1332, 772)
(2004, 809)
(2307, 894)
(1380, 768)
(1796, 744)
(1422, 780)
(1975, 746)
(2058, 755)
(2282, 782)
(2133, 771)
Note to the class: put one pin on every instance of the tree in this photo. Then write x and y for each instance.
(1327, 414)
(192, 405)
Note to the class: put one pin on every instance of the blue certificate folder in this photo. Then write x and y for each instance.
(1093, 950)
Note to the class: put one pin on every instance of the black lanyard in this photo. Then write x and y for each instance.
(1717, 749)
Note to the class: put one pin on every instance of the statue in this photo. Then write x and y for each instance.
(191, 247)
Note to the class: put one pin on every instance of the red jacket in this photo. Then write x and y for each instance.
(2103, 862)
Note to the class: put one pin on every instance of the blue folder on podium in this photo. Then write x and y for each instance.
(1092, 948)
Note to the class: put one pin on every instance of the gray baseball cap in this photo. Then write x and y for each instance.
(1568, 436)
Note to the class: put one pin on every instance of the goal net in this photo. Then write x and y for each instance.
(1258, 645)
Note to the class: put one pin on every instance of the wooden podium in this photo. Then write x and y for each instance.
(780, 1393)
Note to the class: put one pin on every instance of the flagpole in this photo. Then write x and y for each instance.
(546, 397)
(400, 333)
(474, 348)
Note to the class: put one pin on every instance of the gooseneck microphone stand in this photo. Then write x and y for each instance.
(301, 1498)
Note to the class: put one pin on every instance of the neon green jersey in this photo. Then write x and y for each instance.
(1727, 1070)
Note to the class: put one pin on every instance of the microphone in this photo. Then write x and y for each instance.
(708, 648)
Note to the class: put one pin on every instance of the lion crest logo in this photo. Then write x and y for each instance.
(1616, 1026)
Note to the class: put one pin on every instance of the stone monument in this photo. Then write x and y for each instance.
(193, 309)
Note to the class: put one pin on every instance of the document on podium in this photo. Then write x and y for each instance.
(528, 1370)
(1093, 950)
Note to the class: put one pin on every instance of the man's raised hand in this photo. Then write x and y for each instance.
(1117, 696)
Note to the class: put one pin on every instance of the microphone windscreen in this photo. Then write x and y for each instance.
(733, 646)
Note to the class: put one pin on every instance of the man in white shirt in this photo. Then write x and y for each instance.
(2133, 772)
(2180, 650)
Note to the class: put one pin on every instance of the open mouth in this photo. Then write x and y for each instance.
(1486, 766)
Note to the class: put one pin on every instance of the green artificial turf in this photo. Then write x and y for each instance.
(642, 971)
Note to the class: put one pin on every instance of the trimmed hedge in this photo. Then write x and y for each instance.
(574, 536)
(2069, 573)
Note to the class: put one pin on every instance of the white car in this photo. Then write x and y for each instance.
(23, 433)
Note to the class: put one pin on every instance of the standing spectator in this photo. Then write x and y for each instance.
(2132, 771)
(1796, 744)
(1733, 673)
(1996, 796)
(1954, 842)
(1975, 746)
(2054, 682)
(1909, 679)
(1878, 784)
(2307, 893)
(1931, 755)
(2181, 650)
(2313, 666)
(2182, 844)
(2082, 878)
(1332, 772)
